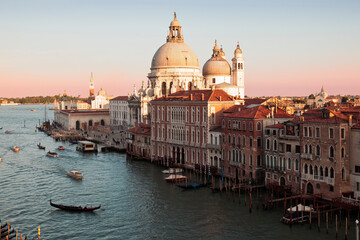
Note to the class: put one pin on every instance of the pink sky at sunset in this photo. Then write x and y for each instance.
(291, 48)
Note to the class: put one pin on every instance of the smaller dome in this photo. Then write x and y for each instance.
(237, 51)
(216, 66)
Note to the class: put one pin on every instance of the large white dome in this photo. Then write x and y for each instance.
(175, 54)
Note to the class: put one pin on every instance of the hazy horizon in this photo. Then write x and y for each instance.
(291, 48)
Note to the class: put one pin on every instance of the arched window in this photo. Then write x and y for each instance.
(331, 172)
(326, 172)
(310, 149)
(211, 138)
(321, 172)
(297, 165)
(271, 162)
(77, 125)
(305, 169)
(244, 140)
(258, 160)
(90, 123)
(267, 161)
(258, 126)
(267, 144)
(306, 148)
(316, 172)
(275, 145)
(163, 88)
(102, 122)
(280, 165)
(289, 163)
(251, 141)
(311, 170)
(331, 152)
(318, 150)
(239, 140)
(258, 142)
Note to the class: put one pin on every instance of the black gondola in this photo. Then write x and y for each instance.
(40, 147)
(74, 208)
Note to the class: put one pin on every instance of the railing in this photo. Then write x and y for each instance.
(330, 181)
(306, 156)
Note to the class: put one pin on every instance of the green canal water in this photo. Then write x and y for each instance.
(136, 202)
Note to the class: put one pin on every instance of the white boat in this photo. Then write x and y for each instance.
(172, 170)
(175, 178)
(299, 213)
(52, 154)
(15, 149)
(75, 174)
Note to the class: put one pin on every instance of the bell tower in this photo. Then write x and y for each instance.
(92, 90)
(238, 71)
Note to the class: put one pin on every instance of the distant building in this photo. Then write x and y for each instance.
(139, 141)
(81, 120)
(119, 112)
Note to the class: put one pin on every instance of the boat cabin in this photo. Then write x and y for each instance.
(86, 146)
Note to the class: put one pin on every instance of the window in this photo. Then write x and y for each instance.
(251, 160)
(331, 152)
(288, 147)
(317, 132)
(331, 133)
(289, 164)
(297, 148)
(258, 126)
(318, 150)
(342, 133)
(275, 145)
(343, 176)
(357, 186)
(331, 188)
(267, 132)
(297, 165)
(342, 152)
(213, 80)
(357, 169)
(244, 126)
(274, 132)
(290, 178)
(251, 141)
(251, 128)
(258, 142)
(244, 140)
(267, 144)
(310, 131)
(305, 131)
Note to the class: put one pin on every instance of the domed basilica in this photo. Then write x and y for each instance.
(175, 67)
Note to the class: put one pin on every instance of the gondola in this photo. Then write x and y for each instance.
(74, 208)
(190, 186)
(40, 147)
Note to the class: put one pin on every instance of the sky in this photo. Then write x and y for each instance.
(291, 47)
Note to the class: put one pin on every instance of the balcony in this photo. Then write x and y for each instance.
(306, 156)
(330, 181)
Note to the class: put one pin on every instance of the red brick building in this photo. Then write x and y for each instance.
(180, 125)
(242, 135)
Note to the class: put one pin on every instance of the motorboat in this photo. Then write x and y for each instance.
(9, 132)
(299, 213)
(15, 148)
(75, 174)
(33, 110)
(61, 148)
(175, 178)
(87, 208)
(40, 147)
(52, 154)
(172, 170)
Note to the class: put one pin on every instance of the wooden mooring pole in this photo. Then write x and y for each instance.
(327, 223)
(346, 228)
(336, 226)
(250, 202)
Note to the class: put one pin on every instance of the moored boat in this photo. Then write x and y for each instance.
(75, 174)
(52, 154)
(172, 170)
(190, 186)
(175, 178)
(15, 148)
(299, 213)
(75, 208)
(61, 148)
(9, 132)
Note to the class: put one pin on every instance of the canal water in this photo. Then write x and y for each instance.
(136, 202)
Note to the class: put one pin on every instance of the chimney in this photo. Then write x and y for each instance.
(220, 98)
(202, 97)
(272, 112)
(350, 120)
(191, 97)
